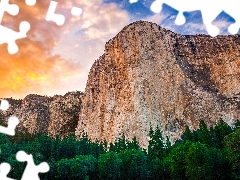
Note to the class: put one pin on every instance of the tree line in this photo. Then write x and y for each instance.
(207, 153)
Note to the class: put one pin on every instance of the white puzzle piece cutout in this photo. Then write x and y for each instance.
(210, 9)
(7, 35)
(12, 124)
(31, 171)
(12, 9)
(12, 121)
(4, 105)
(76, 11)
(59, 19)
(30, 2)
(133, 1)
(4, 170)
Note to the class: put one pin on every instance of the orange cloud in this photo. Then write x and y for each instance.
(33, 69)
(56, 59)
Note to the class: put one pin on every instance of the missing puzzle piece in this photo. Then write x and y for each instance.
(51, 16)
(4, 105)
(31, 171)
(4, 170)
(209, 10)
(133, 1)
(30, 2)
(12, 124)
(9, 36)
(12, 9)
(12, 121)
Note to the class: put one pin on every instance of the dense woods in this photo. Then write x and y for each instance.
(208, 153)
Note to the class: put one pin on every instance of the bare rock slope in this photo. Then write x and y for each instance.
(151, 75)
(57, 115)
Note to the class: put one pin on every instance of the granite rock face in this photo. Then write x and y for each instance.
(151, 75)
(64, 114)
(57, 115)
(147, 75)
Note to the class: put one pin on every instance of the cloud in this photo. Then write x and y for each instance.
(194, 24)
(156, 18)
(101, 21)
(85, 36)
(34, 69)
(51, 56)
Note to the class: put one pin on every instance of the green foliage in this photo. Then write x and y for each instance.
(5, 147)
(43, 144)
(68, 147)
(220, 166)
(20, 137)
(177, 160)
(133, 144)
(84, 167)
(237, 124)
(109, 166)
(156, 144)
(212, 153)
(120, 144)
(233, 151)
(64, 169)
(157, 168)
(221, 130)
(168, 147)
(134, 165)
(123, 144)
(17, 167)
(204, 134)
(188, 135)
(198, 162)
(160, 169)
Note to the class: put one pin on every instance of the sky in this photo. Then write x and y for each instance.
(56, 59)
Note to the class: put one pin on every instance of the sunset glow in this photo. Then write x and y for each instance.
(56, 59)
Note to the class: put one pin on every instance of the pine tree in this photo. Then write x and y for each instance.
(188, 135)
(134, 165)
(199, 164)
(84, 167)
(133, 144)
(237, 124)
(177, 160)
(120, 144)
(109, 166)
(221, 130)
(156, 144)
(112, 147)
(204, 134)
(168, 147)
(233, 151)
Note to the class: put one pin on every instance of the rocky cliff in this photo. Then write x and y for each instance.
(147, 75)
(151, 75)
(57, 115)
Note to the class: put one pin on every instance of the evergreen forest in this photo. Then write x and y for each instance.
(205, 154)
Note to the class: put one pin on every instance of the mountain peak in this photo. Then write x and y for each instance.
(150, 75)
